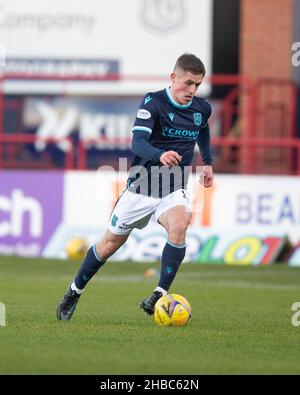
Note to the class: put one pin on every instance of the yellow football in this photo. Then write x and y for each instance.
(172, 310)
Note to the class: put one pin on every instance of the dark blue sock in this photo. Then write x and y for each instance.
(171, 259)
(91, 264)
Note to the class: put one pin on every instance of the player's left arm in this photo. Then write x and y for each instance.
(203, 141)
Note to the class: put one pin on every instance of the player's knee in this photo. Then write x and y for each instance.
(177, 232)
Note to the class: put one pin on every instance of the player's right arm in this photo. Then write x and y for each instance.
(142, 148)
(142, 129)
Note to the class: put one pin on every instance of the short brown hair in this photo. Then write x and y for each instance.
(190, 62)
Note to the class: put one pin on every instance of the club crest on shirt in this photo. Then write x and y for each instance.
(197, 118)
(163, 15)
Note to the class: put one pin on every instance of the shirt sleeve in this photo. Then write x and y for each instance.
(203, 142)
(203, 139)
(146, 115)
(207, 114)
(142, 148)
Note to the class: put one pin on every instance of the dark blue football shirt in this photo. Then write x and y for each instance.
(168, 126)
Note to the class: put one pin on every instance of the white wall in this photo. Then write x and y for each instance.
(144, 36)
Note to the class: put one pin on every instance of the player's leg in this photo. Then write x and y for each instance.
(175, 221)
(131, 211)
(94, 259)
(174, 215)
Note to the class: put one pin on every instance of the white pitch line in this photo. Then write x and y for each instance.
(200, 280)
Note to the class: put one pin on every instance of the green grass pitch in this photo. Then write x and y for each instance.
(241, 321)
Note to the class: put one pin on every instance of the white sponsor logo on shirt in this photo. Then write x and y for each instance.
(143, 114)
